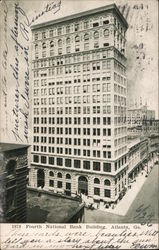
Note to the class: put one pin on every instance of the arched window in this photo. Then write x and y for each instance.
(60, 43)
(59, 175)
(96, 181)
(86, 37)
(36, 47)
(77, 39)
(68, 40)
(106, 33)
(10, 167)
(96, 35)
(51, 173)
(51, 44)
(107, 182)
(44, 45)
(68, 176)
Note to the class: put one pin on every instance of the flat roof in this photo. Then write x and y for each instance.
(11, 146)
(81, 14)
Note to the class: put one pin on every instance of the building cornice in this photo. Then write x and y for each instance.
(81, 15)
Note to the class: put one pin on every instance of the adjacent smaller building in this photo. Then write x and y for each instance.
(13, 179)
(138, 157)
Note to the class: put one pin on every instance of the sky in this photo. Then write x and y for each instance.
(142, 51)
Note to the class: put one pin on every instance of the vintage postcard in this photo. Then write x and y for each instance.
(79, 124)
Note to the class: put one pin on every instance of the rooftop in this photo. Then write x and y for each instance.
(82, 14)
(11, 146)
(48, 208)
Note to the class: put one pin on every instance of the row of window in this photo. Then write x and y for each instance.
(75, 27)
(80, 57)
(86, 110)
(118, 110)
(107, 192)
(76, 120)
(69, 163)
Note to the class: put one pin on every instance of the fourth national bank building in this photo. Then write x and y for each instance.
(79, 133)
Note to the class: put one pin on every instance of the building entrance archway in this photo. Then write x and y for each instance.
(40, 178)
(83, 185)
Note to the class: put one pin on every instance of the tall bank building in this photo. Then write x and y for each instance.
(79, 132)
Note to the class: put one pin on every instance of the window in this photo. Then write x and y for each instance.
(86, 37)
(67, 29)
(68, 176)
(36, 36)
(96, 35)
(107, 182)
(76, 26)
(59, 161)
(36, 158)
(106, 22)
(51, 160)
(107, 167)
(106, 33)
(96, 191)
(68, 163)
(51, 183)
(86, 25)
(96, 181)
(59, 175)
(68, 186)
(59, 43)
(86, 164)
(96, 166)
(107, 193)
(77, 163)
(59, 31)
(44, 45)
(68, 40)
(77, 39)
(51, 44)
(51, 173)
(43, 159)
(95, 24)
(43, 35)
(59, 184)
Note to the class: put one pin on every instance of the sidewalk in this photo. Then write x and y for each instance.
(122, 207)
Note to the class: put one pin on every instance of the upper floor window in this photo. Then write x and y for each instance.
(51, 44)
(36, 47)
(86, 37)
(106, 33)
(86, 25)
(96, 35)
(68, 29)
(107, 182)
(36, 36)
(68, 176)
(106, 22)
(44, 45)
(77, 39)
(76, 26)
(96, 181)
(59, 31)
(95, 24)
(51, 33)
(60, 43)
(59, 175)
(43, 35)
(68, 40)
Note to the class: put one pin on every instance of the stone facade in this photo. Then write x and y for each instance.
(14, 181)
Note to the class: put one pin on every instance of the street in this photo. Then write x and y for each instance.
(144, 208)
